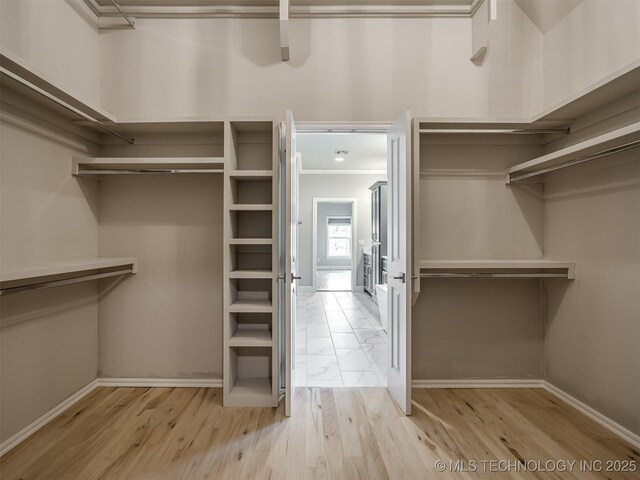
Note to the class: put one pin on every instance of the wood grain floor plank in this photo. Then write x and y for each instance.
(347, 433)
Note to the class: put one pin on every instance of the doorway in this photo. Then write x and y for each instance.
(325, 313)
(340, 338)
(334, 244)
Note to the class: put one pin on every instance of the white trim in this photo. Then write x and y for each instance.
(161, 382)
(345, 172)
(37, 424)
(583, 408)
(594, 415)
(477, 383)
(354, 237)
(296, 11)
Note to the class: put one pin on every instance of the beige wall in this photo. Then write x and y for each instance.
(48, 339)
(477, 329)
(596, 39)
(593, 323)
(52, 37)
(340, 68)
(166, 321)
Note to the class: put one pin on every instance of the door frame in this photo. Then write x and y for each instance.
(354, 237)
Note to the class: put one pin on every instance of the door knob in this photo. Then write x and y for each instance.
(401, 277)
(293, 277)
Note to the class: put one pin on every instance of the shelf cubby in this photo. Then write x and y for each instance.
(247, 258)
(250, 377)
(251, 192)
(250, 330)
(250, 223)
(252, 144)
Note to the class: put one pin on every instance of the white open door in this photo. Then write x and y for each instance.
(399, 262)
(291, 253)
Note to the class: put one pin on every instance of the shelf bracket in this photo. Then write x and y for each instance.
(284, 30)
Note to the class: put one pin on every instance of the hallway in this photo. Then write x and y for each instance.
(339, 341)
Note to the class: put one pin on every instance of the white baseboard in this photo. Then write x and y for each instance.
(594, 415)
(498, 383)
(36, 425)
(161, 382)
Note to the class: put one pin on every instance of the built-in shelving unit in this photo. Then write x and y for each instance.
(250, 265)
(619, 140)
(15, 279)
(542, 268)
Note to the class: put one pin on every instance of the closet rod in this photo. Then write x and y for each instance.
(134, 171)
(67, 281)
(577, 161)
(63, 104)
(124, 15)
(510, 131)
(493, 275)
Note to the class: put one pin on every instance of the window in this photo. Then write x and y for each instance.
(338, 237)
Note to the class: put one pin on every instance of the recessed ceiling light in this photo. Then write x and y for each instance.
(339, 159)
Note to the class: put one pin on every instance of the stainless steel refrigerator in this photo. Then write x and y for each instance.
(374, 273)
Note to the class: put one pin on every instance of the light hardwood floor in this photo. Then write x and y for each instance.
(347, 433)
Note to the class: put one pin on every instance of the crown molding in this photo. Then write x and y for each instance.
(296, 11)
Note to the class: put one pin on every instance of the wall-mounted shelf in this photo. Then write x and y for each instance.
(251, 207)
(619, 140)
(251, 273)
(251, 175)
(251, 305)
(30, 277)
(497, 268)
(250, 241)
(96, 167)
(251, 337)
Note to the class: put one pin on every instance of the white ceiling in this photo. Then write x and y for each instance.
(546, 14)
(367, 151)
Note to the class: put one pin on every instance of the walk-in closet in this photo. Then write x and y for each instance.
(299, 239)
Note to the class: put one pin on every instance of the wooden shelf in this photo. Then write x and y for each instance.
(251, 207)
(251, 241)
(251, 337)
(143, 165)
(578, 153)
(14, 279)
(543, 268)
(251, 273)
(18, 68)
(251, 305)
(35, 272)
(251, 392)
(251, 175)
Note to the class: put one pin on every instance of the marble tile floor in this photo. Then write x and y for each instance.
(339, 341)
(333, 280)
